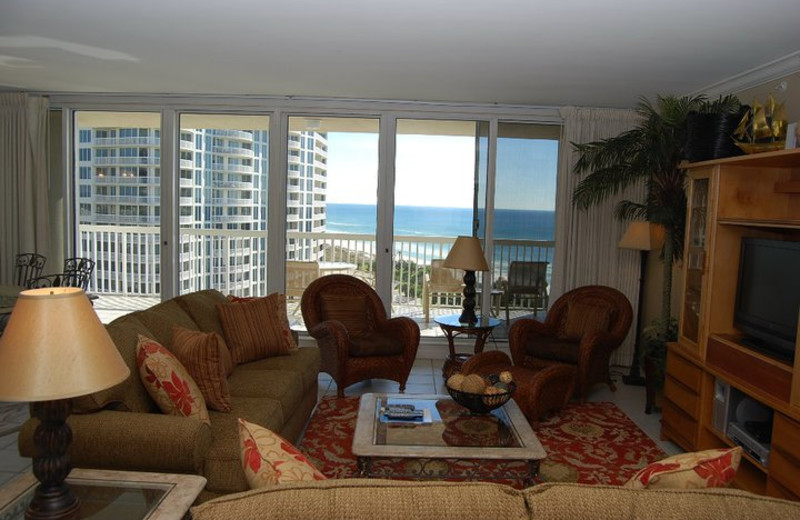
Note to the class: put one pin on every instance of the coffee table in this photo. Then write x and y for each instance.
(452, 433)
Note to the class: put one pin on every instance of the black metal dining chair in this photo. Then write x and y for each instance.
(78, 270)
(28, 266)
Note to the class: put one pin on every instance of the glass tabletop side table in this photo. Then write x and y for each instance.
(453, 328)
(113, 495)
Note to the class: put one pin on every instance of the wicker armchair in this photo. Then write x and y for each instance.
(356, 339)
(582, 328)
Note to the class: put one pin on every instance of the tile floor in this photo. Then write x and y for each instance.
(425, 378)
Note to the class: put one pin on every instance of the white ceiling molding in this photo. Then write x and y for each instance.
(760, 75)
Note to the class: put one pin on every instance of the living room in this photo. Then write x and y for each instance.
(377, 97)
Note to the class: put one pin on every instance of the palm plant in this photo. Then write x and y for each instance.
(651, 151)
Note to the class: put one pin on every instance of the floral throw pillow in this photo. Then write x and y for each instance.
(701, 469)
(268, 459)
(168, 382)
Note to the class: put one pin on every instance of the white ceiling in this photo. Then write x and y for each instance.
(519, 52)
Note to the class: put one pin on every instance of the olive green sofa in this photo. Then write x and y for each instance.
(122, 428)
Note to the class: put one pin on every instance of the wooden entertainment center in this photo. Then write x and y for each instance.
(756, 195)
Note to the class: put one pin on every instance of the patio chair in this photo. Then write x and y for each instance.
(79, 270)
(73, 279)
(582, 328)
(440, 280)
(27, 267)
(356, 339)
(298, 275)
(526, 286)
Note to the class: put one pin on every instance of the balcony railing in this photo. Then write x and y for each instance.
(215, 259)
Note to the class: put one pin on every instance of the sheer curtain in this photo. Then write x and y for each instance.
(24, 178)
(586, 241)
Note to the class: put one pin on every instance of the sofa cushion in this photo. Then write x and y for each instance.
(208, 360)
(223, 467)
(202, 307)
(371, 498)
(160, 318)
(253, 329)
(168, 382)
(279, 299)
(701, 469)
(556, 501)
(303, 363)
(268, 459)
(130, 395)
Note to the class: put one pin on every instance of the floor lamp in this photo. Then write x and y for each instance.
(643, 237)
(55, 348)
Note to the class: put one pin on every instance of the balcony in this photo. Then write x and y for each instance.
(350, 253)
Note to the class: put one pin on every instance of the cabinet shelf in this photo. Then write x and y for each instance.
(729, 199)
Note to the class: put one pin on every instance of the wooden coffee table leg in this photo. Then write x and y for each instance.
(533, 470)
(364, 465)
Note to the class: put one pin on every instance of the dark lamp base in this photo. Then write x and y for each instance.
(53, 499)
(53, 503)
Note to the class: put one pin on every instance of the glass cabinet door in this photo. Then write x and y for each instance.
(695, 259)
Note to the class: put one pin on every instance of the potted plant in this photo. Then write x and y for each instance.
(654, 355)
(709, 129)
(652, 151)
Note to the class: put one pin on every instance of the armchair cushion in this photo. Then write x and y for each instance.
(584, 318)
(554, 349)
(254, 328)
(208, 360)
(168, 382)
(375, 344)
(350, 310)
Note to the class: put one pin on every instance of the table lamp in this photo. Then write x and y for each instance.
(55, 348)
(643, 237)
(467, 254)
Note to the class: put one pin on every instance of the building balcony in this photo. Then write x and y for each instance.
(127, 141)
(232, 150)
(126, 161)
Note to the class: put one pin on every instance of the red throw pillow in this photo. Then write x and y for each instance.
(168, 382)
(269, 459)
(701, 469)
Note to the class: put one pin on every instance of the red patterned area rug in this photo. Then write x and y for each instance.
(591, 443)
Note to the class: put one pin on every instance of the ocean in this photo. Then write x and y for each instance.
(441, 222)
(450, 222)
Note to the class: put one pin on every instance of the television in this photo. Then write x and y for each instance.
(768, 296)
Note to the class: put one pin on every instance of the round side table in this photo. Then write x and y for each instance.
(453, 328)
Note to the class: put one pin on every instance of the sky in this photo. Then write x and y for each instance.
(438, 171)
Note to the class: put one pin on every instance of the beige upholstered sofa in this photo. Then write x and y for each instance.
(122, 428)
(384, 499)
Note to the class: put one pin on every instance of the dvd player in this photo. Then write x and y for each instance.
(741, 437)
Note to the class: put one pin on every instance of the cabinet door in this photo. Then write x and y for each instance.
(695, 256)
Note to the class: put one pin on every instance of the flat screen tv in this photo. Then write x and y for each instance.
(768, 296)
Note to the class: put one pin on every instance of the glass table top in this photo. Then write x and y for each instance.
(450, 425)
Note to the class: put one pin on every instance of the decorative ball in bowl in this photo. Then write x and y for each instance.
(481, 394)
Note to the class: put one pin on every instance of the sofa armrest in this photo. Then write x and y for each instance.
(132, 441)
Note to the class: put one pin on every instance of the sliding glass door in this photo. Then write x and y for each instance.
(331, 202)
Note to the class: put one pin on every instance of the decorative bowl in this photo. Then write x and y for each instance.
(481, 403)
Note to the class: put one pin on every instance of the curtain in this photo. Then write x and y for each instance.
(586, 241)
(24, 178)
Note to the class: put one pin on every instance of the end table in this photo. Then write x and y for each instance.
(453, 328)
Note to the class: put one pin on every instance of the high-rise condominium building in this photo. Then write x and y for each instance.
(222, 206)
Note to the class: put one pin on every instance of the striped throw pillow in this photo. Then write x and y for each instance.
(208, 360)
(254, 328)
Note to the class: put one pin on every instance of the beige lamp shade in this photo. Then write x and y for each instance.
(642, 236)
(466, 254)
(54, 347)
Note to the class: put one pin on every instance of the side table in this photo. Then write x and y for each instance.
(113, 495)
(453, 328)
